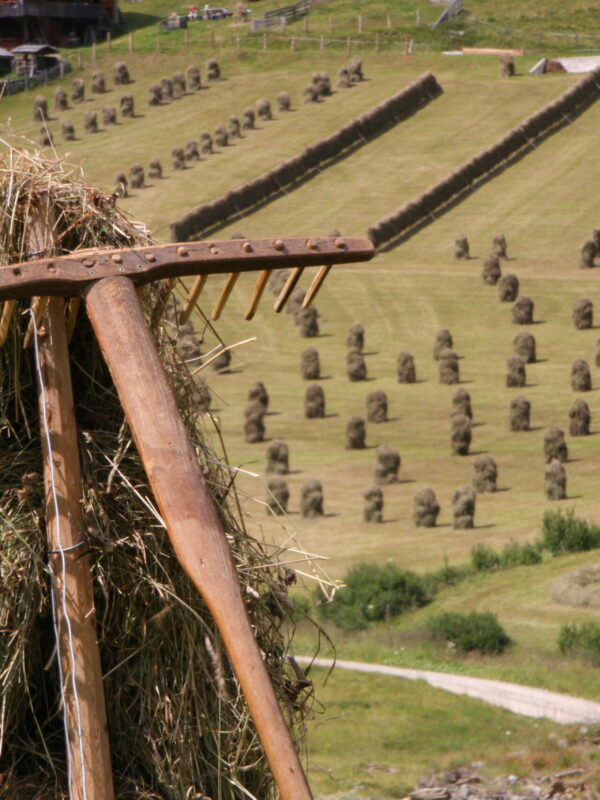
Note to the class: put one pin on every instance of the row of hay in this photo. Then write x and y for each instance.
(207, 216)
(413, 212)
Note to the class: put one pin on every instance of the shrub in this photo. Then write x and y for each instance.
(581, 640)
(484, 558)
(566, 533)
(372, 593)
(517, 555)
(478, 630)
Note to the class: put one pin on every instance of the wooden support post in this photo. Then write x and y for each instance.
(377, 42)
(61, 68)
(130, 42)
(109, 42)
(322, 44)
(8, 309)
(293, 44)
(389, 21)
(83, 691)
(79, 61)
(349, 45)
(418, 17)
(195, 292)
(224, 296)
(330, 24)
(94, 52)
(257, 292)
(265, 40)
(186, 506)
(360, 23)
(157, 41)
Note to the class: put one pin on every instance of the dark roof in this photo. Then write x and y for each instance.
(35, 49)
(5, 53)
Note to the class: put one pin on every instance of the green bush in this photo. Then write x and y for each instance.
(484, 558)
(518, 555)
(478, 630)
(446, 576)
(373, 593)
(566, 533)
(581, 640)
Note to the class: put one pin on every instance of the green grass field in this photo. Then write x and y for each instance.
(545, 206)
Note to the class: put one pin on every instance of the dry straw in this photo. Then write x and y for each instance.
(377, 406)
(425, 508)
(387, 464)
(179, 727)
(405, 368)
(373, 505)
(522, 310)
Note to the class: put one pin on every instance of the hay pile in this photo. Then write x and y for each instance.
(405, 368)
(491, 272)
(377, 406)
(580, 418)
(580, 588)
(311, 499)
(356, 433)
(520, 412)
(508, 288)
(461, 247)
(356, 366)
(555, 446)
(525, 347)
(373, 507)
(515, 372)
(460, 437)
(461, 404)
(443, 341)
(387, 465)
(355, 338)
(583, 314)
(278, 458)
(168, 683)
(425, 508)
(485, 474)
(522, 310)
(581, 377)
(310, 367)
(463, 508)
(555, 480)
(314, 402)
(278, 496)
(448, 370)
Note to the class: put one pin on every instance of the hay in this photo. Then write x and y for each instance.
(525, 347)
(311, 93)
(61, 101)
(278, 457)
(307, 320)
(46, 137)
(377, 406)
(222, 361)
(310, 368)
(109, 115)
(522, 311)
(254, 428)
(555, 481)
(166, 89)
(311, 499)
(579, 588)
(249, 118)
(154, 94)
(555, 446)
(136, 177)
(121, 183)
(98, 83)
(596, 238)
(520, 411)
(253, 409)
(355, 338)
(206, 144)
(179, 85)
(213, 70)
(90, 122)
(314, 402)
(121, 75)
(508, 288)
(485, 474)
(461, 247)
(507, 66)
(463, 508)
(425, 508)
(126, 104)
(491, 273)
(68, 130)
(257, 392)
(263, 110)
(598, 353)
(277, 280)
(461, 403)
(460, 437)
(193, 81)
(78, 91)
(356, 433)
(278, 496)
(515, 372)
(284, 102)
(356, 366)
(155, 169)
(294, 303)
(581, 377)
(162, 690)
(443, 341)
(580, 419)
(191, 151)
(499, 246)
(583, 314)
(344, 80)
(355, 70)
(234, 128)
(221, 136)
(405, 368)
(448, 370)
(588, 253)
(373, 505)
(387, 465)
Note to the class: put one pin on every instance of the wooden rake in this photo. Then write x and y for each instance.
(106, 282)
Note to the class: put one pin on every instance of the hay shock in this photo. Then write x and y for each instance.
(106, 282)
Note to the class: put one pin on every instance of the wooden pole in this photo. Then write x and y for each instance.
(265, 40)
(130, 42)
(94, 52)
(109, 42)
(185, 39)
(360, 23)
(85, 713)
(349, 45)
(389, 21)
(377, 42)
(322, 43)
(186, 506)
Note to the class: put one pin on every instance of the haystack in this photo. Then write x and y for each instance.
(127, 105)
(166, 89)
(522, 310)
(68, 130)
(248, 120)
(98, 83)
(90, 122)
(387, 464)
(485, 474)
(373, 505)
(278, 496)
(307, 320)
(499, 246)
(314, 402)
(443, 341)
(355, 338)
(461, 403)
(425, 508)
(213, 70)
(525, 347)
(178, 85)
(78, 91)
(448, 370)
(515, 372)
(121, 75)
(491, 273)
(263, 109)
(580, 418)
(154, 168)
(109, 115)
(583, 314)
(278, 457)
(405, 368)
(254, 428)
(356, 366)
(193, 81)
(284, 102)
(588, 253)
(520, 412)
(555, 480)
(178, 157)
(555, 445)
(581, 377)
(461, 247)
(463, 508)
(310, 367)
(460, 437)
(234, 127)
(259, 393)
(311, 499)
(377, 406)
(166, 683)
(508, 288)
(61, 100)
(356, 433)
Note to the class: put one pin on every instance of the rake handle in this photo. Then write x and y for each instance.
(187, 508)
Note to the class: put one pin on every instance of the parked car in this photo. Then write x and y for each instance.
(215, 13)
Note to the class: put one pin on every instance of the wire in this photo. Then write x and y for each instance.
(63, 594)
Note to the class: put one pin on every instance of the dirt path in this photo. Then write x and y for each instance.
(524, 700)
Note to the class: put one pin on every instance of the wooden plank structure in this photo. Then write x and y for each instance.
(105, 281)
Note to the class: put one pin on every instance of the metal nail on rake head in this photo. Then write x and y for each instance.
(105, 281)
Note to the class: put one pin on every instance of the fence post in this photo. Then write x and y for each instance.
(237, 41)
(108, 42)
(377, 42)
(185, 39)
(265, 41)
(389, 21)
(158, 41)
(94, 52)
(360, 23)
(349, 45)
(78, 60)
(293, 44)
(418, 17)
(322, 43)
(305, 24)
(61, 68)
(330, 24)
(130, 43)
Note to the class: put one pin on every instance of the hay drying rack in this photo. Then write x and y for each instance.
(106, 282)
